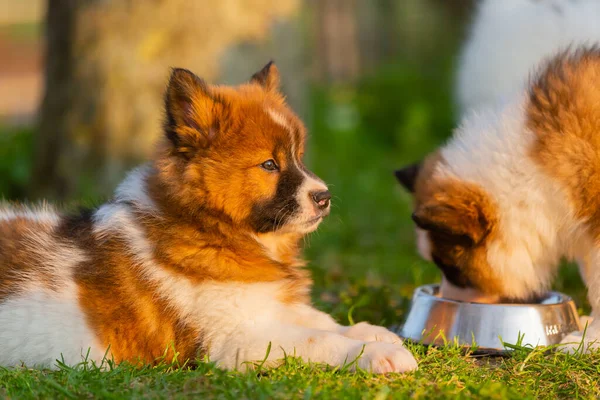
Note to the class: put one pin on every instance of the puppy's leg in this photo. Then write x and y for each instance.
(585, 320)
(249, 346)
(312, 318)
(583, 341)
(589, 338)
(372, 333)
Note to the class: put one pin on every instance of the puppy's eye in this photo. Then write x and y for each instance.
(269, 165)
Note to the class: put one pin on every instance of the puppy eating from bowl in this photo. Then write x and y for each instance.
(517, 188)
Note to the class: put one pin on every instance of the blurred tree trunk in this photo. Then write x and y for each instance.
(107, 62)
(355, 37)
(337, 41)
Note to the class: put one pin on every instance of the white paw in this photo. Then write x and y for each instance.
(572, 343)
(372, 333)
(585, 320)
(382, 358)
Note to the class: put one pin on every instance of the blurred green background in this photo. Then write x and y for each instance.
(80, 104)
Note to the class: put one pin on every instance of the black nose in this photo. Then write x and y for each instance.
(321, 199)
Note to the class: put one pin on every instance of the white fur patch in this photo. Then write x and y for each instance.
(279, 119)
(55, 258)
(424, 244)
(44, 320)
(510, 37)
(308, 207)
(43, 214)
(109, 219)
(39, 327)
(310, 184)
(133, 188)
(591, 276)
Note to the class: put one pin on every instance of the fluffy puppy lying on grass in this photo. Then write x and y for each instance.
(197, 253)
(517, 188)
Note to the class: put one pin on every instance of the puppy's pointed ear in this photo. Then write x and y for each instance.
(460, 218)
(407, 176)
(193, 113)
(268, 77)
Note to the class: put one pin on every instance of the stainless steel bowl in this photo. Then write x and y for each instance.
(432, 318)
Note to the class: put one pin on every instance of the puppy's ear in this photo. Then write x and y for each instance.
(268, 77)
(193, 114)
(407, 176)
(462, 219)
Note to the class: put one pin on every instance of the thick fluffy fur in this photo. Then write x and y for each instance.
(509, 37)
(517, 188)
(198, 252)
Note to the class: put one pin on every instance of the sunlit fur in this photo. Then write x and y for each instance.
(509, 38)
(197, 254)
(518, 187)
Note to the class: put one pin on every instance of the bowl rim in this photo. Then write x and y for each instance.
(421, 291)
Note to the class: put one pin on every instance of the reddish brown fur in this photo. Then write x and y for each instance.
(460, 220)
(564, 112)
(219, 188)
(17, 259)
(129, 316)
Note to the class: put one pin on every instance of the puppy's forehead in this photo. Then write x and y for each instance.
(287, 125)
(427, 181)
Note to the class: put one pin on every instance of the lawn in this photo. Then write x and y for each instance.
(444, 373)
(364, 264)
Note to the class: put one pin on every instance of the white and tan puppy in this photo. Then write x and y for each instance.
(516, 188)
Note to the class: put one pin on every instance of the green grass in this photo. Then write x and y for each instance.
(444, 373)
(16, 156)
(364, 264)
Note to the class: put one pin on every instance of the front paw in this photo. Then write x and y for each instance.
(382, 358)
(576, 343)
(585, 320)
(371, 333)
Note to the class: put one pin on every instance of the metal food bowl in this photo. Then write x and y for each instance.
(433, 320)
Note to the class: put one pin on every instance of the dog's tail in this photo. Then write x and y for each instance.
(509, 38)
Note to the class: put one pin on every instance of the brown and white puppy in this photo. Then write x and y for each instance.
(198, 252)
(516, 188)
